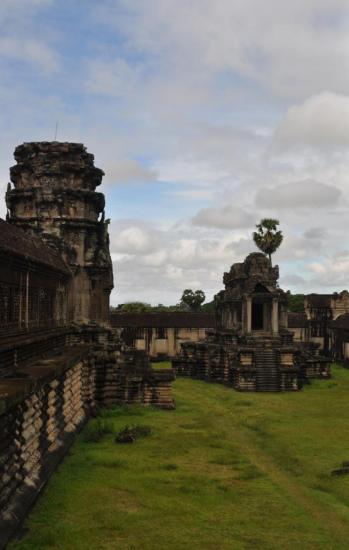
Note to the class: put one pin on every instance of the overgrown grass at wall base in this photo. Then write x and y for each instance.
(225, 470)
(161, 365)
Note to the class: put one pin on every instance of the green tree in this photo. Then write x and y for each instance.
(193, 299)
(295, 302)
(135, 307)
(208, 307)
(267, 237)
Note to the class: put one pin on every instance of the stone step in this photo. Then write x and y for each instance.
(267, 373)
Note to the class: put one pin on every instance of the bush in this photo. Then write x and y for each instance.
(169, 467)
(141, 431)
(130, 434)
(96, 429)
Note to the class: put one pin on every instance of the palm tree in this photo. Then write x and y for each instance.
(267, 238)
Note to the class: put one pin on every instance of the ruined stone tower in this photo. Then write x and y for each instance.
(252, 303)
(251, 348)
(55, 197)
(60, 360)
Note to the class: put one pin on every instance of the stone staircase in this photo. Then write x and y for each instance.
(267, 372)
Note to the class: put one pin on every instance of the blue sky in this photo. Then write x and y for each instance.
(205, 117)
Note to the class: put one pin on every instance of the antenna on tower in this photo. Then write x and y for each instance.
(56, 130)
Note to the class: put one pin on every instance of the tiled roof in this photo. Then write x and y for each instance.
(176, 319)
(319, 300)
(15, 241)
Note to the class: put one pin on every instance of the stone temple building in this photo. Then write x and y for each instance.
(339, 338)
(161, 334)
(322, 323)
(320, 311)
(59, 356)
(251, 348)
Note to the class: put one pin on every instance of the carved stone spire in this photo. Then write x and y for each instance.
(54, 196)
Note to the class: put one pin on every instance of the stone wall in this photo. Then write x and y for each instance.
(244, 368)
(39, 416)
(33, 283)
(44, 405)
(161, 334)
(59, 358)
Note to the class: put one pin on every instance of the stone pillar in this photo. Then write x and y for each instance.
(152, 351)
(26, 310)
(248, 314)
(275, 316)
(171, 347)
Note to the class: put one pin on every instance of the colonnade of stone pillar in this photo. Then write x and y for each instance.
(247, 315)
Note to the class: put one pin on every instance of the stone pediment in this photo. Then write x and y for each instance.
(255, 270)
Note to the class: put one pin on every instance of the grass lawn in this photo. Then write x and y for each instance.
(161, 365)
(225, 470)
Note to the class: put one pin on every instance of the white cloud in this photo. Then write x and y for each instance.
(191, 94)
(206, 106)
(163, 263)
(112, 78)
(316, 233)
(192, 194)
(156, 259)
(132, 240)
(290, 49)
(299, 194)
(225, 217)
(31, 51)
(190, 170)
(21, 41)
(329, 273)
(3, 209)
(128, 171)
(320, 121)
(14, 9)
(317, 267)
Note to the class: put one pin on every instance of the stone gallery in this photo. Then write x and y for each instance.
(59, 357)
(251, 348)
(161, 334)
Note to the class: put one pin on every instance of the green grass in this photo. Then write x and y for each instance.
(223, 471)
(161, 365)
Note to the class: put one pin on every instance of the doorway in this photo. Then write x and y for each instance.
(257, 316)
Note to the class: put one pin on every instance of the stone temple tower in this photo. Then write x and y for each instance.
(252, 304)
(54, 196)
(250, 348)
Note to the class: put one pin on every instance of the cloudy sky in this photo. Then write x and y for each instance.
(205, 115)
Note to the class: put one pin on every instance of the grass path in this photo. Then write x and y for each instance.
(224, 471)
(328, 518)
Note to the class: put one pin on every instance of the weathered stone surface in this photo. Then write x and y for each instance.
(251, 348)
(54, 198)
(59, 358)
